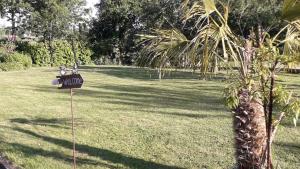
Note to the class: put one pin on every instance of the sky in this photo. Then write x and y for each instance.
(90, 4)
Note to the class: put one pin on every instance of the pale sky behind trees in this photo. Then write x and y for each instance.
(90, 4)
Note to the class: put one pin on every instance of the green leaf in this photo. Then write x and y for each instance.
(210, 6)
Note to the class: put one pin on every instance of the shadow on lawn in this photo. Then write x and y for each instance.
(53, 122)
(31, 151)
(292, 148)
(147, 96)
(152, 97)
(107, 155)
(143, 73)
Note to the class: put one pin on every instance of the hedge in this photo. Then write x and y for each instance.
(14, 61)
(63, 54)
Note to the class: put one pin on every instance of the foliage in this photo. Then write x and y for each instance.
(163, 49)
(246, 15)
(10, 66)
(15, 11)
(63, 54)
(37, 51)
(53, 18)
(114, 23)
(113, 31)
(14, 61)
(214, 40)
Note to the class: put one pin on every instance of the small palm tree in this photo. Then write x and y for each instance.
(163, 49)
(253, 93)
(203, 50)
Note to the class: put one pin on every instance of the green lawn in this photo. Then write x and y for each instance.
(125, 119)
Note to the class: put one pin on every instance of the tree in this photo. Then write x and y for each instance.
(113, 31)
(114, 21)
(213, 38)
(163, 50)
(54, 19)
(254, 98)
(253, 93)
(15, 11)
(246, 15)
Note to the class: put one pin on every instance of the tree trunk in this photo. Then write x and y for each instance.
(13, 23)
(74, 53)
(216, 68)
(250, 132)
(51, 46)
(160, 73)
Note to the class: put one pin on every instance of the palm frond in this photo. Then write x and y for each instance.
(291, 10)
(163, 49)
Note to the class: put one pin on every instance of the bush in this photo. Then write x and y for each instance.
(18, 58)
(84, 54)
(37, 51)
(10, 66)
(15, 61)
(63, 54)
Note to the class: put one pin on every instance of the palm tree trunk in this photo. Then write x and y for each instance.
(216, 68)
(160, 73)
(250, 132)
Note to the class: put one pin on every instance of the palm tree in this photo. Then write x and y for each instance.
(253, 93)
(203, 50)
(163, 49)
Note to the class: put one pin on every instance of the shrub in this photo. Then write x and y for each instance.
(40, 55)
(18, 58)
(10, 66)
(63, 54)
(84, 54)
(37, 51)
(15, 61)
(3, 53)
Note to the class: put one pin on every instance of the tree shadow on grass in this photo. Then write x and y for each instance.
(52, 122)
(293, 148)
(107, 155)
(31, 151)
(143, 73)
(149, 96)
(203, 98)
(199, 116)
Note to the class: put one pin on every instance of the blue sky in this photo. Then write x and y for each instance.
(90, 3)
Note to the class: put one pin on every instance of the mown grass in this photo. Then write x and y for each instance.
(125, 118)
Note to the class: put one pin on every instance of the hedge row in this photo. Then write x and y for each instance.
(14, 61)
(62, 53)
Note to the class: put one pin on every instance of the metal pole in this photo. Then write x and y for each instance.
(73, 133)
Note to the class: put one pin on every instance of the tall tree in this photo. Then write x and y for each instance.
(115, 20)
(14, 11)
(54, 19)
(246, 15)
(113, 31)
